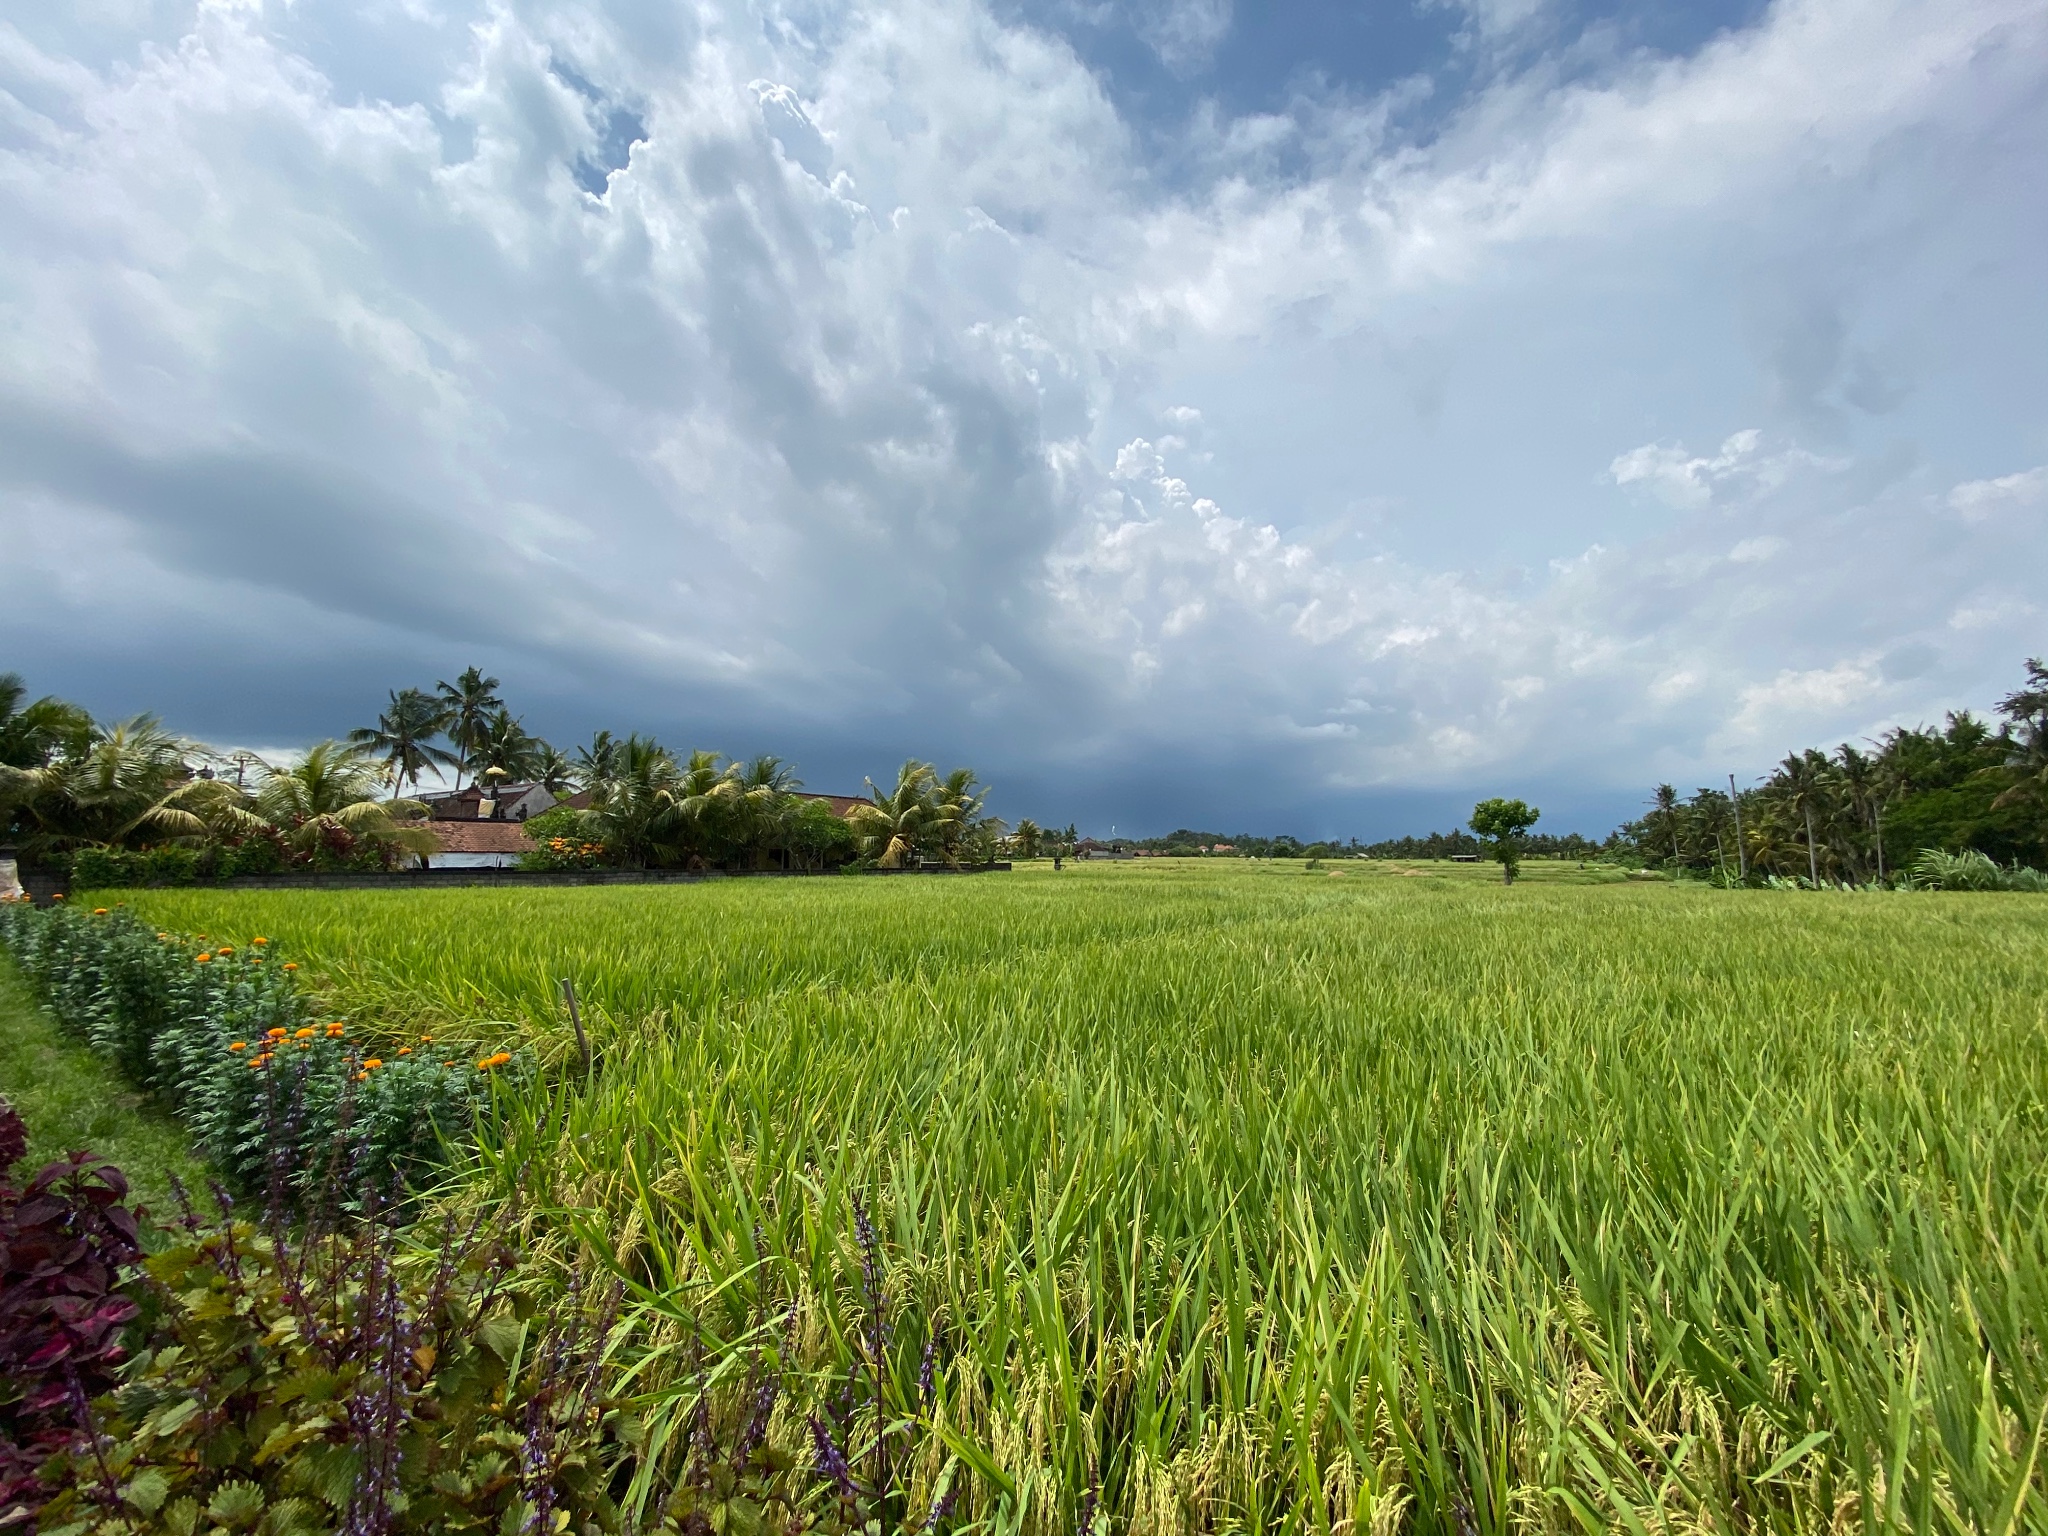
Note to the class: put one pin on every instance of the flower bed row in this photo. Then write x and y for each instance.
(230, 1043)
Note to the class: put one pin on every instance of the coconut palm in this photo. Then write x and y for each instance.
(404, 737)
(596, 762)
(126, 783)
(957, 801)
(553, 771)
(636, 810)
(1803, 779)
(333, 789)
(31, 734)
(468, 700)
(893, 827)
(2025, 769)
(500, 746)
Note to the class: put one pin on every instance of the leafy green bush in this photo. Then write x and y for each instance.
(105, 868)
(345, 1378)
(230, 1044)
(1970, 870)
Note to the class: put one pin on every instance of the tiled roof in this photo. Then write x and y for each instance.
(481, 836)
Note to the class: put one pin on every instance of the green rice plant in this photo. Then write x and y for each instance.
(1221, 1198)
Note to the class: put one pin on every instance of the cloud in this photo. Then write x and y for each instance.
(865, 383)
(1975, 500)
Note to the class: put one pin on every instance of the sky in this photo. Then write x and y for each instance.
(1295, 416)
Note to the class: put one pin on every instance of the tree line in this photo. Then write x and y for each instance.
(1863, 815)
(129, 800)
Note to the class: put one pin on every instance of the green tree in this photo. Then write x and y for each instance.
(120, 786)
(894, 827)
(500, 746)
(2025, 769)
(468, 701)
(333, 790)
(636, 807)
(404, 737)
(1027, 839)
(32, 734)
(553, 771)
(1501, 824)
(596, 762)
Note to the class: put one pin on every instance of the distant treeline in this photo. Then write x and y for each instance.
(1858, 815)
(1437, 845)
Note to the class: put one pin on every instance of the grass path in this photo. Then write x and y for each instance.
(71, 1098)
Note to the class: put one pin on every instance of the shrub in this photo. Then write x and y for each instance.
(345, 1378)
(1938, 870)
(105, 868)
(65, 1240)
(230, 1044)
(559, 842)
(261, 853)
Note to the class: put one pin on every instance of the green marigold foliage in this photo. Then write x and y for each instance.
(231, 1045)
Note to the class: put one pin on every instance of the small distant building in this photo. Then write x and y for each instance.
(1089, 848)
(1464, 858)
(505, 802)
(475, 844)
(1223, 848)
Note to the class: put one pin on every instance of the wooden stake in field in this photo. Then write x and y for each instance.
(576, 1020)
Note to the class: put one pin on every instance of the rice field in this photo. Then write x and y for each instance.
(1250, 1197)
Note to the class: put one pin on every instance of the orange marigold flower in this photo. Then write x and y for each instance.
(276, 1034)
(202, 958)
(362, 1076)
(99, 911)
(426, 1039)
(373, 1063)
(59, 896)
(291, 965)
(303, 1034)
(305, 1045)
(227, 949)
(501, 1058)
(405, 1050)
(239, 1045)
(259, 939)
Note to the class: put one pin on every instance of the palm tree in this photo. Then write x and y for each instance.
(958, 800)
(554, 772)
(333, 789)
(636, 810)
(762, 802)
(125, 783)
(1861, 783)
(500, 745)
(2025, 769)
(1026, 838)
(468, 700)
(596, 762)
(32, 734)
(404, 736)
(894, 826)
(1803, 779)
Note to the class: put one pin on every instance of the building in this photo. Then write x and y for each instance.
(507, 802)
(474, 844)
